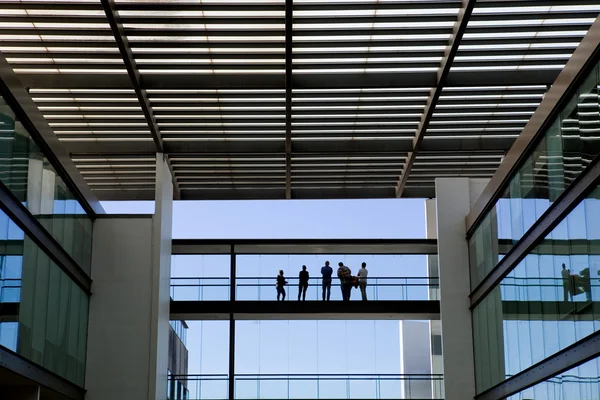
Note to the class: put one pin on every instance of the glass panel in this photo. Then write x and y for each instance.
(30, 177)
(49, 327)
(548, 302)
(582, 382)
(568, 145)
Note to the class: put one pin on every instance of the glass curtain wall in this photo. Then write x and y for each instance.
(568, 145)
(582, 382)
(549, 301)
(28, 174)
(50, 325)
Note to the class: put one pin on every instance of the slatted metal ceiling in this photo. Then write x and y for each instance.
(214, 73)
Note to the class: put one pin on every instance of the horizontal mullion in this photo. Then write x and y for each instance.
(221, 117)
(445, 100)
(371, 31)
(535, 28)
(526, 40)
(176, 32)
(500, 63)
(501, 108)
(42, 5)
(349, 5)
(59, 19)
(84, 104)
(325, 18)
(57, 31)
(182, 19)
(137, 46)
(422, 64)
(207, 66)
(186, 7)
(458, 117)
(368, 43)
(355, 110)
(566, 14)
(370, 54)
(514, 128)
(198, 103)
(207, 130)
(81, 66)
(514, 52)
(62, 44)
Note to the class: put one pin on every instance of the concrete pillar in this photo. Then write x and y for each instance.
(128, 339)
(435, 329)
(415, 358)
(162, 236)
(455, 197)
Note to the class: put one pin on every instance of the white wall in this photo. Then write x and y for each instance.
(118, 353)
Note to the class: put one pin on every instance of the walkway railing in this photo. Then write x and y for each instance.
(547, 289)
(314, 386)
(263, 288)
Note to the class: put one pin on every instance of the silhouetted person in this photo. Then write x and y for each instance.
(345, 276)
(567, 283)
(326, 271)
(281, 282)
(362, 280)
(303, 283)
(586, 283)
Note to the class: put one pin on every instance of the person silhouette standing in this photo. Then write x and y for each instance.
(345, 276)
(281, 282)
(326, 272)
(303, 283)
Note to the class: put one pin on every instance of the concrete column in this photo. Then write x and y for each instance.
(415, 350)
(128, 335)
(455, 197)
(162, 236)
(435, 329)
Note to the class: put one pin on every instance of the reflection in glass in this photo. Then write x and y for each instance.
(568, 145)
(582, 382)
(49, 326)
(548, 302)
(28, 174)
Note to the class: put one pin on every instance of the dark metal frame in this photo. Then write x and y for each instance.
(577, 67)
(110, 9)
(570, 357)
(23, 367)
(442, 75)
(40, 236)
(304, 246)
(289, 16)
(28, 114)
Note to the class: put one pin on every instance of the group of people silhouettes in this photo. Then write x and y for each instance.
(344, 274)
(574, 284)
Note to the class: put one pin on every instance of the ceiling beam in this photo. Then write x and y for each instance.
(273, 81)
(457, 33)
(116, 26)
(289, 15)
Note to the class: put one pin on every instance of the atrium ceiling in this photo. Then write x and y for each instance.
(250, 99)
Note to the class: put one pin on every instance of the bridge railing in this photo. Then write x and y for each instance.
(312, 386)
(263, 288)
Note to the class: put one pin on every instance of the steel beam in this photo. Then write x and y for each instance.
(306, 310)
(110, 9)
(457, 33)
(17, 212)
(564, 360)
(289, 17)
(303, 246)
(30, 370)
(584, 57)
(299, 81)
(567, 201)
(27, 113)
